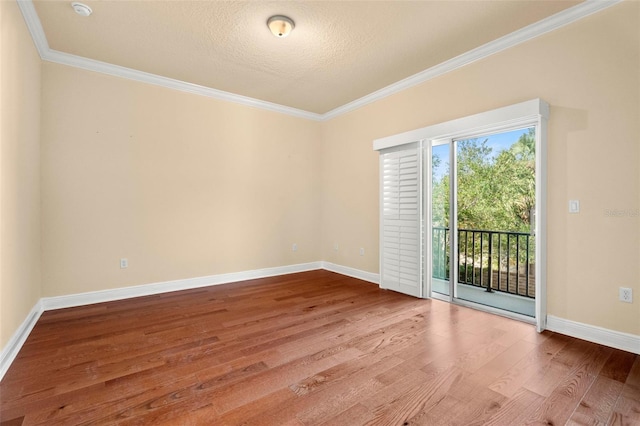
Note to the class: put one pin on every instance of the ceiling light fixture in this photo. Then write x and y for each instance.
(81, 9)
(280, 25)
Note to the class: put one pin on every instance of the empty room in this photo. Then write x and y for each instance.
(320, 212)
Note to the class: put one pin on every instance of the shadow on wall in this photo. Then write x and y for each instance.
(563, 121)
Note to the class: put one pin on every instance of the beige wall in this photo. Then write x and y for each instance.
(181, 185)
(590, 74)
(19, 171)
(186, 186)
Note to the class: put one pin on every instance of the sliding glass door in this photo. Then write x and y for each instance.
(440, 229)
(482, 210)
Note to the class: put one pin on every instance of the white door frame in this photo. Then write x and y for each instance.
(533, 113)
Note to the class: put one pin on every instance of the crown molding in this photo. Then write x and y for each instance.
(170, 83)
(35, 27)
(522, 35)
(47, 54)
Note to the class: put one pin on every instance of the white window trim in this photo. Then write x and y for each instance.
(534, 112)
(483, 122)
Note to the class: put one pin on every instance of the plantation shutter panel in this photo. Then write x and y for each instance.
(401, 220)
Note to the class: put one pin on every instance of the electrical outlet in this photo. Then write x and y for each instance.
(124, 263)
(626, 295)
(294, 247)
(574, 206)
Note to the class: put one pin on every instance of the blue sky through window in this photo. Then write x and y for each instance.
(497, 142)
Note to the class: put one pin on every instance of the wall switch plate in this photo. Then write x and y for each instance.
(626, 295)
(124, 263)
(574, 206)
(335, 247)
(294, 247)
(361, 251)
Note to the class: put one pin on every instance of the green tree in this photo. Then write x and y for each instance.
(440, 194)
(493, 192)
(478, 186)
(517, 165)
(525, 148)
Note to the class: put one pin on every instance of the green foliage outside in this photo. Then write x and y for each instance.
(495, 193)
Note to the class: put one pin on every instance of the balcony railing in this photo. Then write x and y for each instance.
(494, 260)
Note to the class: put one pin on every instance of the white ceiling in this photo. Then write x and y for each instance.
(339, 52)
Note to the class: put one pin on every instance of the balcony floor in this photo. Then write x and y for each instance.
(496, 299)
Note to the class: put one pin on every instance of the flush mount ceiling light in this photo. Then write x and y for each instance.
(81, 9)
(280, 25)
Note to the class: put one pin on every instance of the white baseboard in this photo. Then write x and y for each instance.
(81, 299)
(352, 272)
(615, 339)
(10, 351)
(12, 348)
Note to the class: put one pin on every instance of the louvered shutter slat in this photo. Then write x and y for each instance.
(401, 263)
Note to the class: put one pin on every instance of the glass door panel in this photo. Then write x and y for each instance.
(440, 206)
(494, 181)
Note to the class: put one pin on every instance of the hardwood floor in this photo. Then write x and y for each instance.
(307, 349)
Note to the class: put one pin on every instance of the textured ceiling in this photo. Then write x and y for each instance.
(339, 51)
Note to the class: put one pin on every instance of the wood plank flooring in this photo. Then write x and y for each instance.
(314, 348)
